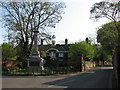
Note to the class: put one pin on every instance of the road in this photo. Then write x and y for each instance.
(100, 77)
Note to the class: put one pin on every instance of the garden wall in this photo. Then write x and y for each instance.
(84, 65)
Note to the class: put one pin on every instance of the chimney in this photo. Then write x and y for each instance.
(41, 41)
(86, 40)
(53, 42)
(66, 41)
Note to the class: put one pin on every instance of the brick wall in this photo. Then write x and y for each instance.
(86, 65)
(11, 63)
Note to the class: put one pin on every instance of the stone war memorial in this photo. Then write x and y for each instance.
(35, 62)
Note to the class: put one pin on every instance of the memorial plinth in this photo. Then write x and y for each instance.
(35, 62)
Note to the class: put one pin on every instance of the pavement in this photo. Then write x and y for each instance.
(114, 83)
(112, 80)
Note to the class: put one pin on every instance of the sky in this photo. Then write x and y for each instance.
(75, 24)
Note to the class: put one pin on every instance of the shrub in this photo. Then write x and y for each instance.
(8, 52)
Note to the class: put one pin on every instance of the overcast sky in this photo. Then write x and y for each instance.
(75, 24)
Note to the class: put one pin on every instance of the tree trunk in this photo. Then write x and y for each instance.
(30, 48)
(117, 58)
(117, 65)
(25, 50)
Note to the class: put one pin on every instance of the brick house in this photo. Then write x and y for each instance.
(59, 51)
(56, 52)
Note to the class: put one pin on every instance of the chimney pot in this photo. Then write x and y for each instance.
(66, 41)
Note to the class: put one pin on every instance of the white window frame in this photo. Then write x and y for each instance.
(61, 55)
(52, 54)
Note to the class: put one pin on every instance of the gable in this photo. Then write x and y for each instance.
(52, 49)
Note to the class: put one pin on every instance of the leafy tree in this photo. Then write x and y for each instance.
(102, 54)
(8, 52)
(83, 48)
(22, 18)
(107, 35)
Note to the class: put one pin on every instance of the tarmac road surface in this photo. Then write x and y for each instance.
(100, 77)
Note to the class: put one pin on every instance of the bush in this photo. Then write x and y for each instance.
(8, 52)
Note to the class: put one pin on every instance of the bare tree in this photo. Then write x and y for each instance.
(22, 18)
(104, 9)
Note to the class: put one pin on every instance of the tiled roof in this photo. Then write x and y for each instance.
(60, 47)
(44, 47)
